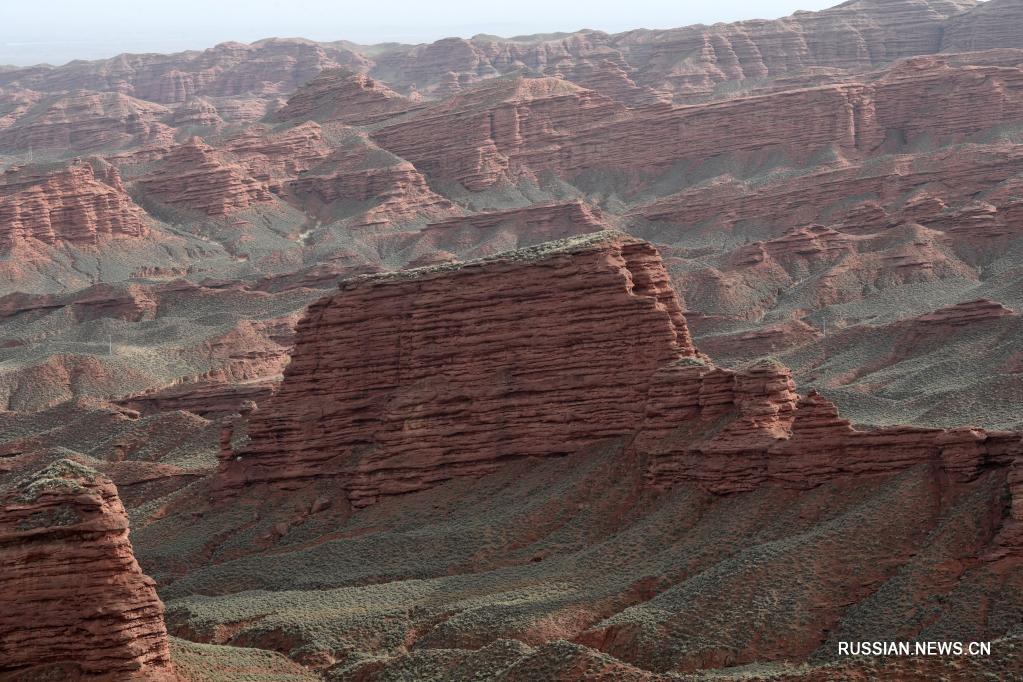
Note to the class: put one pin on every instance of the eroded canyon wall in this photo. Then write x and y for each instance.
(74, 604)
(399, 381)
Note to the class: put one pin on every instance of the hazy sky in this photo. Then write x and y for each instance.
(57, 31)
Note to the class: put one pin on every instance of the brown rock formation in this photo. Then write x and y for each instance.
(420, 394)
(764, 435)
(247, 363)
(517, 127)
(275, 158)
(991, 24)
(196, 177)
(423, 389)
(85, 122)
(81, 204)
(340, 95)
(262, 69)
(966, 314)
(358, 179)
(74, 603)
(499, 131)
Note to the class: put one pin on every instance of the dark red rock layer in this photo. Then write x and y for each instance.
(519, 128)
(403, 380)
(196, 177)
(735, 430)
(74, 603)
(339, 95)
(400, 381)
(77, 205)
(495, 132)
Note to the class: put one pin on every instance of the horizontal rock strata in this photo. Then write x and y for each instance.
(340, 95)
(74, 603)
(196, 177)
(406, 379)
(78, 205)
(402, 380)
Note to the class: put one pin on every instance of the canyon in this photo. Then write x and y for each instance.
(666, 354)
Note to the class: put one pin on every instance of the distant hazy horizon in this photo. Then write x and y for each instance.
(58, 31)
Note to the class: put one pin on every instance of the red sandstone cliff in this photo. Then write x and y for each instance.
(74, 604)
(491, 133)
(433, 374)
(450, 370)
(518, 127)
(81, 204)
(196, 177)
(85, 122)
(339, 95)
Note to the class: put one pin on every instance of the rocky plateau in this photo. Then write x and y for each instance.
(679, 354)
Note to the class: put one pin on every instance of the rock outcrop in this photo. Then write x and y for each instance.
(966, 314)
(500, 131)
(484, 234)
(195, 177)
(361, 181)
(403, 380)
(81, 204)
(263, 69)
(718, 432)
(452, 370)
(85, 122)
(74, 604)
(340, 95)
(516, 128)
(989, 25)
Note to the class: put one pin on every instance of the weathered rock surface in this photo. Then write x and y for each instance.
(339, 95)
(360, 180)
(484, 234)
(730, 438)
(75, 604)
(85, 122)
(81, 204)
(265, 68)
(408, 409)
(494, 132)
(515, 128)
(989, 25)
(196, 177)
(423, 389)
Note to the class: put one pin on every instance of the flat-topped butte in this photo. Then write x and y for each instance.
(528, 254)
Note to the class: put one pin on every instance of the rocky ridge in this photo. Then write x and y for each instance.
(107, 623)
(82, 204)
(408, 408)
(408, 353)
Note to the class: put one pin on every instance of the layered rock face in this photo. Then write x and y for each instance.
(733, 431)
(77, 205)
(361, 178)
(518, 128)
(74, 604)
(196, 177)
(265, 68)
(400, 381)
(340, 95)
(501, 127)
(990, 25)
(85, 122)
